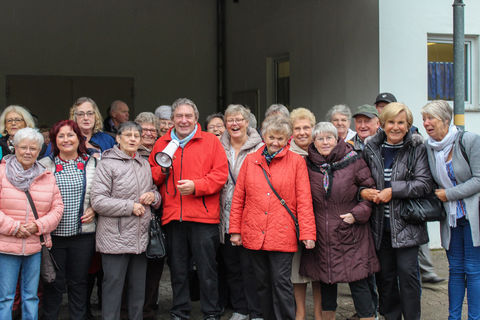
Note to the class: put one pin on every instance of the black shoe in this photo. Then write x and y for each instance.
(434, 279)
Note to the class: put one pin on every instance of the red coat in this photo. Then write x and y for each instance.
(256, 212)
(203, 161)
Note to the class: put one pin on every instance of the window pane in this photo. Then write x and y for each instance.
(283, 82)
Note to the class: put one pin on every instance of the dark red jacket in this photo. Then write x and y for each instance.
(343, 252)
(202, 160)
(256, 212)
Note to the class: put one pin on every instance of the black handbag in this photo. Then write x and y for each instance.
(420, 210)
(48, 266)
(156, 248)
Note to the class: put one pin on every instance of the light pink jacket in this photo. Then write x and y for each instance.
(15, 210)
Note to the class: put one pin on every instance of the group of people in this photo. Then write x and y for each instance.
(292, 202)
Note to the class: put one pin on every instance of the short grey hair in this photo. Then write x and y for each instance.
(439, 109)
(277, 108)
(277, 123)
(182, 101)
(148, 117)
(127, 126)
(164, 112)
(252, 123)
(28, 134)
(339, 108)
(237, 108)
(27, 117)
(324, 127)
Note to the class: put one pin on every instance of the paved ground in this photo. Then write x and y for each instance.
(434, 298)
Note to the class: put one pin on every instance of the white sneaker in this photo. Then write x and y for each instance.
(238, 316)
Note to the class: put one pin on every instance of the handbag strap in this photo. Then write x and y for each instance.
(284, 204)
(35, 213)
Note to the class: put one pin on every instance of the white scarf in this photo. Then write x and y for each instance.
(441, 151)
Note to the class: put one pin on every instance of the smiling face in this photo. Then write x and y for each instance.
(275, 141)
(149, 135)
(216, 127)
(366, 126)
(67, 143)
(324, 143)
(14, 122)
(436, 128)
(396, 128)
(27, 152)
(302, 133)
(236, 126)
(129, 141)
(85, 117)
(184, 120)
(165, 125)
(342, 124)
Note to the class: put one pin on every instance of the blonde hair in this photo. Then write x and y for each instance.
(392, 110)
(27, 117)
(98, 126)
(302, 113)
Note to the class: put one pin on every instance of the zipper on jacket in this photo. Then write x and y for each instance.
(181, 200)
(203, 200)
(132, 161)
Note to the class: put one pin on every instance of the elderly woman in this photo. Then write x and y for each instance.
(164, 115)
(262, 223)
(150, 128)
(396, 240)
(238, 141)
(19, 229)
(341, 116)
(454, 159)
(86, 114)
(303, 121)
(344, 251)
(215, 124)
(122, 193)
(74, 238)
(12, 119)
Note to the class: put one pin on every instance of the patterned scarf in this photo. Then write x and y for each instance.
(17, 176)
(269, 156)
(185, 140)
(327, 169)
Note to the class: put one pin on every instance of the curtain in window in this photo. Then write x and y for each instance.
(440, 80)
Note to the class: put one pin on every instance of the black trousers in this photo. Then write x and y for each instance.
(154, 274)
(73, 256)
(240, 279)
(119, 269)
(399, 281)
(273, 270)
(200, 241)
(361, 294)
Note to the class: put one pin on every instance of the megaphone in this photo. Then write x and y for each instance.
(165, 158)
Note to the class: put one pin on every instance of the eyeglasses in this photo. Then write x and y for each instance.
(89, 114)
(151, 131)
(232, 121)
(218, 127)
(130, 135)
(14, 120)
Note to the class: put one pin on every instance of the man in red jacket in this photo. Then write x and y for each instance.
(190, 191)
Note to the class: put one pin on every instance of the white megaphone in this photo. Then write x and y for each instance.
(165, 158)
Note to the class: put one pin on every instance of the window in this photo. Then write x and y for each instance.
(282, 80)
(440, 70)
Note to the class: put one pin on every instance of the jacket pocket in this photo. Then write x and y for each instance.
(347, 233)
(204, 204)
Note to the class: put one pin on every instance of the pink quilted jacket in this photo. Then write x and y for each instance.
(15, 210)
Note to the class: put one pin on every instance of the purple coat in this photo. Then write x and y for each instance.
(343, 252)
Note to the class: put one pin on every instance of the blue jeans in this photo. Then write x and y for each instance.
(464, 269)
(29, 269)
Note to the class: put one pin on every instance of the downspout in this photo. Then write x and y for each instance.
(459, 64)
(221, 91)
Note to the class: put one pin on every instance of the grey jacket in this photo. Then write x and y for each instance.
(253, 143)
(403, 234)
(119, 182)
(468, 187)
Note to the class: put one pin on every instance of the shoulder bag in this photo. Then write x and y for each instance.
(420, 210)
(48, 267)
(284, 204)
(156, 248)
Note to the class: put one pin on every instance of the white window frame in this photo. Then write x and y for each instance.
(472, 68)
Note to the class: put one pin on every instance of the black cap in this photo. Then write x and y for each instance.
(385, 97)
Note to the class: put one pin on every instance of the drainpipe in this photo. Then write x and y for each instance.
(459, 64)
(221, 91)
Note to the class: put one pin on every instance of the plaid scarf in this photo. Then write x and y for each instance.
(268, 156)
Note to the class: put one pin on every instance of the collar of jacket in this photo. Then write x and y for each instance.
(198, 134)
(261, 161)
(116, 153)
(376, 140)
(253, 139)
